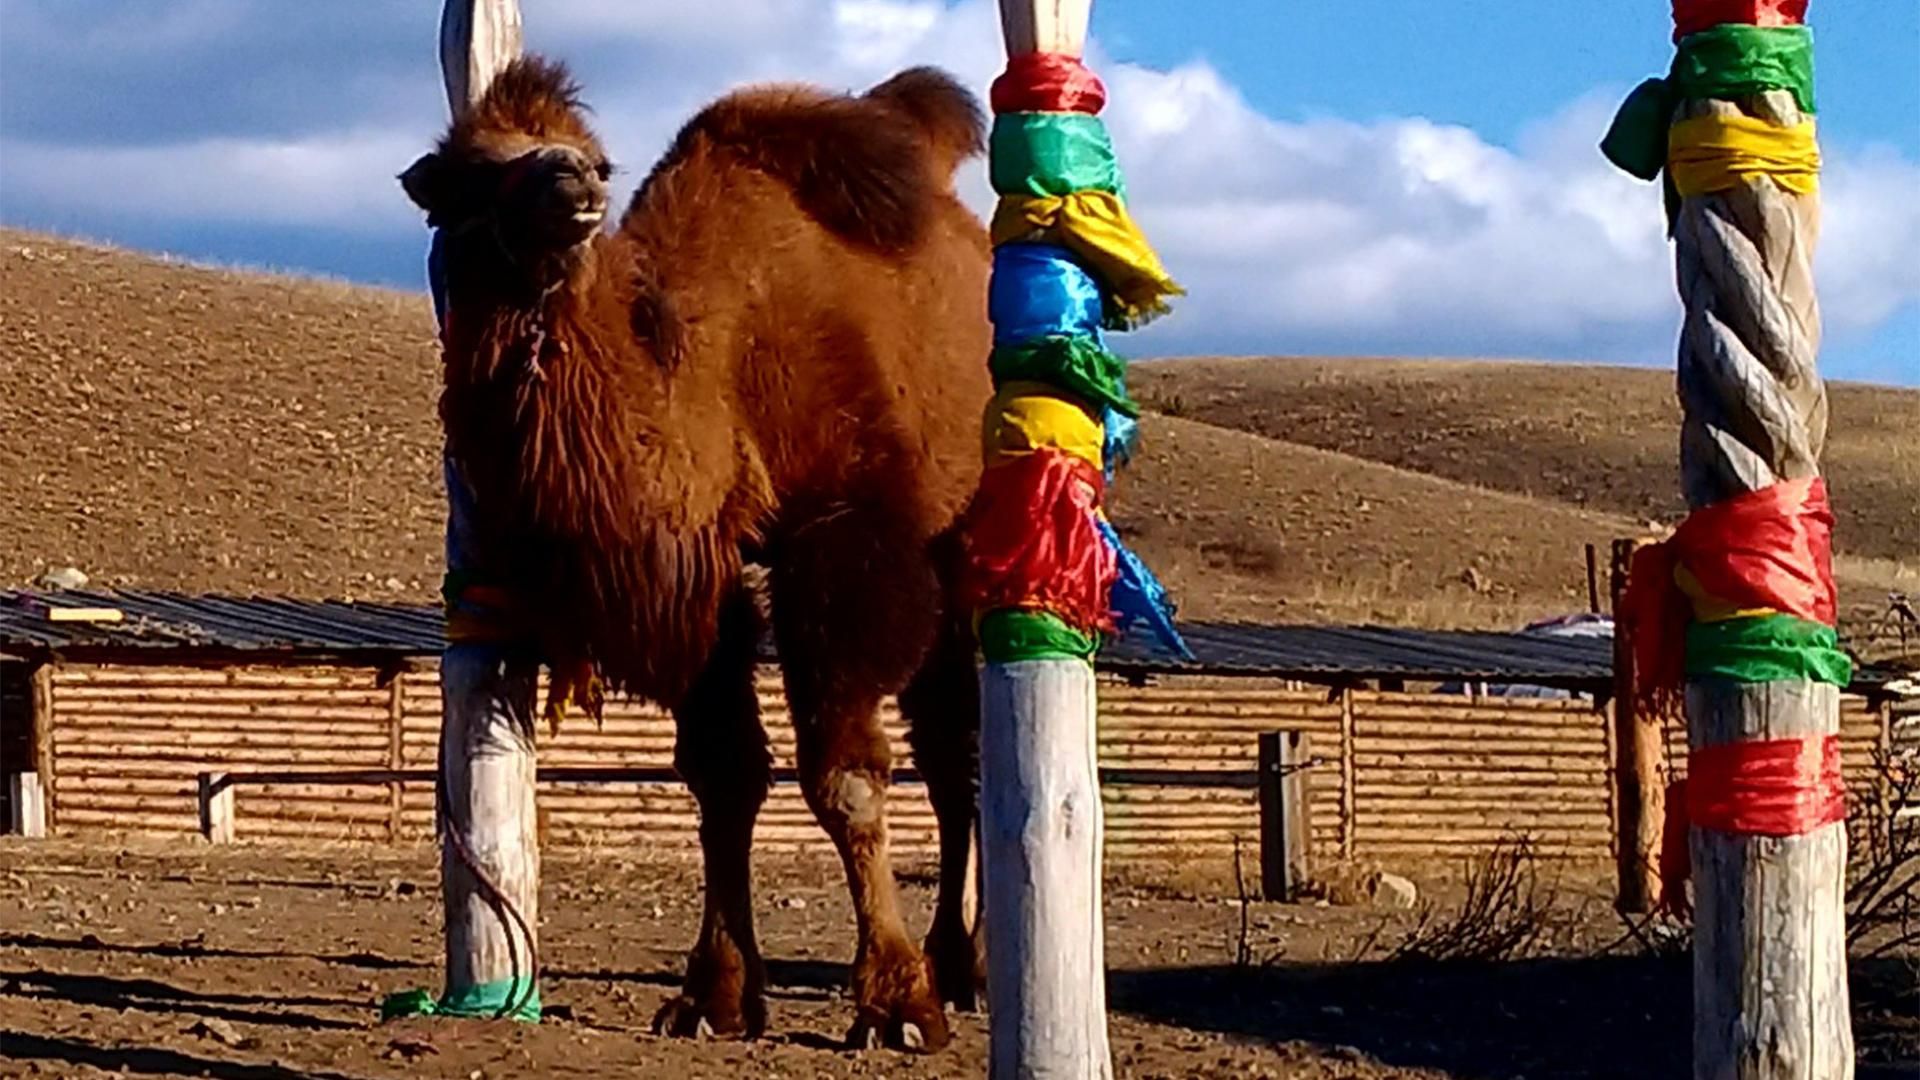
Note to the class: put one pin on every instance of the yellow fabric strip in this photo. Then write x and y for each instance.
(1713, 153)
(1095, 226)
(1708, 609)
(1028, 416)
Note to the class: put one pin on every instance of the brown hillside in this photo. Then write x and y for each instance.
(1247, 527)
(177, 427)
(172, 426)
(1599, 437)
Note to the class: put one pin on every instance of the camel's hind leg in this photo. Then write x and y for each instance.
(855, 606)
(942, 707)
(721, 751)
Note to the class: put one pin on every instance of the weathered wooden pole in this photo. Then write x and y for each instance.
(1740, 603)
(1047, 574)
(1639, 783)
(489, 848)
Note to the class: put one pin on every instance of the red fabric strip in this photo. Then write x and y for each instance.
(1763, 787)
(1771, 548)
(1772, 787)
(1032, 541)
(1048, 82)
(1693, 16)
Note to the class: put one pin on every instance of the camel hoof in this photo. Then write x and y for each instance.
(683, 1018)
(870, 1032)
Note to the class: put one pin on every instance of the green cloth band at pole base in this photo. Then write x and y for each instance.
(1767, 648)
(1052, 154)
(1009, 637)
(1725, 62)
(484, 1002)
(1079, 365)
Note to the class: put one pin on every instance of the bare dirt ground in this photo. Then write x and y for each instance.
(255, 964)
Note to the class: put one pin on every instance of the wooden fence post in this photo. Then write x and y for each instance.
(1348, 809)
(216, 808)
(40, 686)
(396, 752)
(1733, 131)
(26, 805)
(1639, 791)
(1284, 827)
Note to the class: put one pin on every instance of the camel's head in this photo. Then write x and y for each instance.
(519, 178)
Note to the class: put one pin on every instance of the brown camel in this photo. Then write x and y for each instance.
(777, 358)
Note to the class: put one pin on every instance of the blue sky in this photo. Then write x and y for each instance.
(1363, 177)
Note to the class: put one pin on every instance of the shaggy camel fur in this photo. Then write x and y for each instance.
(777, 358)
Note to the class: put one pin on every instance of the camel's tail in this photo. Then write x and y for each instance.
(871, 169)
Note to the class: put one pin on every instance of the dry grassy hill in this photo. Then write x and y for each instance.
(173, 426)
(1598, 437)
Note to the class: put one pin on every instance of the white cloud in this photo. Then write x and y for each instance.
(1406, 234)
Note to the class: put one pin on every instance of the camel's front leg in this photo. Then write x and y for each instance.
(721, 751)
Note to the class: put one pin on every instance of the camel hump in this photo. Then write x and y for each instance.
(870, 169)
(946, 112)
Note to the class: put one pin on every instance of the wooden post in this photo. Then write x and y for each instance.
(1593, 580)
(1284, 828)
(41, 687)
(26, 805)
(216, 808)
(477, 39)
(396, 752)
(1347, 800)
(1639, 785)
(1040, 790)
(489, 848)
(1041, 824)
(1769, 961)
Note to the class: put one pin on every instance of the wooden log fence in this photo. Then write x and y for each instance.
(1280, 782)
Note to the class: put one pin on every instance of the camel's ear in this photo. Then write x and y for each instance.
(425, 182)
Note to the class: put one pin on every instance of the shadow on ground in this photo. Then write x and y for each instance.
(152, 995)
(1581, 1018)
(142, 1061)
(197, 950)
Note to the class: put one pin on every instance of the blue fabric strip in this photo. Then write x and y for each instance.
(1039, 291)
(1139, 598)
(1122, 437)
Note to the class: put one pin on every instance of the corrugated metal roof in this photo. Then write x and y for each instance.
(167, 621)
(164, 621)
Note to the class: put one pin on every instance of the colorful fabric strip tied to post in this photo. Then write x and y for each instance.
(1742, 591)
(508, 999)
(1693, 16)
(1095, 227)
(1719, 152)
(1047, 82)
(1724, 59)
(1047, 574)
(1053, 154)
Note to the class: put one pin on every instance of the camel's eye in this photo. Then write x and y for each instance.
(604, 170)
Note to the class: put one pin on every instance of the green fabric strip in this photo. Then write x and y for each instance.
(1736, 61)
(1767, 648)
(1725, 62)
(487, 1001)
(1052, 154)
(1081, 366)
(1008, 637)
